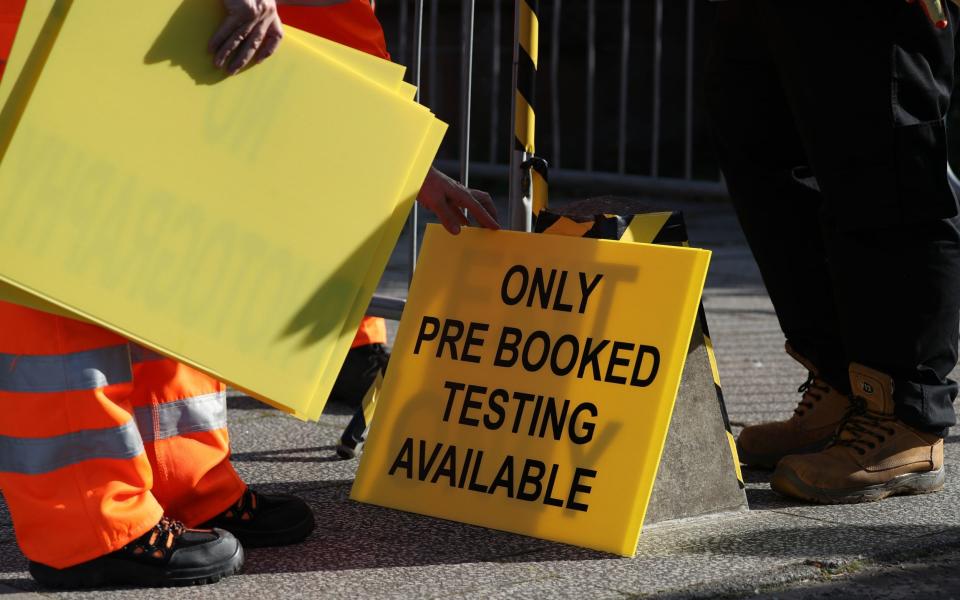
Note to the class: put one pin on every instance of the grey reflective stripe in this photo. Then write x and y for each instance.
(34, 456)
(86, 370)
(190, 415)
(139, 354)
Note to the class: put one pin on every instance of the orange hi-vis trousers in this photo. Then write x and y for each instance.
(99, 438)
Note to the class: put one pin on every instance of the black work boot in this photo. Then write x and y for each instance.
(168, 554)
(260, 520)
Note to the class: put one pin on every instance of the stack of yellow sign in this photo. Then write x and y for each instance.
(237, 224)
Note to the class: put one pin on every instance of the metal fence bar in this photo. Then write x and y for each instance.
(495, 81)
(655, 106)
(555, 138)
(433, 81)
(466, 89)
(415, 67)
(591, 80)
(517, 210)
(688, 112)
(403, 28)
(638, 184)
(624, 86)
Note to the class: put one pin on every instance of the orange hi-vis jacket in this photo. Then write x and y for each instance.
(10, 11)
(99, 437)
(348, 22)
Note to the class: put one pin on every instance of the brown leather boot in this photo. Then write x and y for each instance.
(814, 422)
(874, 454)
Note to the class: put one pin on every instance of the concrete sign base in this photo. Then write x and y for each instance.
(699, 472)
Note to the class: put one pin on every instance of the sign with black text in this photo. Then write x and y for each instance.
(532, 382)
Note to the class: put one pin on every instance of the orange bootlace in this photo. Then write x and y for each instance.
(245, 507)
(159, 540)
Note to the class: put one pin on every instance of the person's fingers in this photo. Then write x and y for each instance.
(459, 217)
(487, 202)
(271, 42)
(251, 43)
(450, 218)
(465, 199)
(230, 24)
(441, 205)
(234, 40)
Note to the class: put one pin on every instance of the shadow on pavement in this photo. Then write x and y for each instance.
(11, 560)
(288, 455)
(819, 541)
(928, 575)
(351, 535)
(237, 402)
(19, 585)
(760, 499)
(355, 536)
(244, 403)
(753, 475)
(935, 576)
(759, 495)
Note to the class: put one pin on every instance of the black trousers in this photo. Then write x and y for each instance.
(829, 119)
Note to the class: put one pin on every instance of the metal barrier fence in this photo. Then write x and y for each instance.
(633, 61)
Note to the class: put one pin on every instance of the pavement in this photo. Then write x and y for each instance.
(905, 547)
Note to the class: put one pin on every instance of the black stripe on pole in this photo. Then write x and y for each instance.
(527, 79)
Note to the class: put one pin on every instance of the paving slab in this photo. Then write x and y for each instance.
(932, 576)
(372, 552)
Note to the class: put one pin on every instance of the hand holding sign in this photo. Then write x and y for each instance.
(250, 30)
(448, 199)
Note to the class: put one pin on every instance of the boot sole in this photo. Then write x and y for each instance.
(785, 482)
(113, 572)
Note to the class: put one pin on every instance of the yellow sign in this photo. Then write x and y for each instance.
(232, 223)
(532, 383)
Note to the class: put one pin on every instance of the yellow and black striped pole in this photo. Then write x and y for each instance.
(528, 173)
